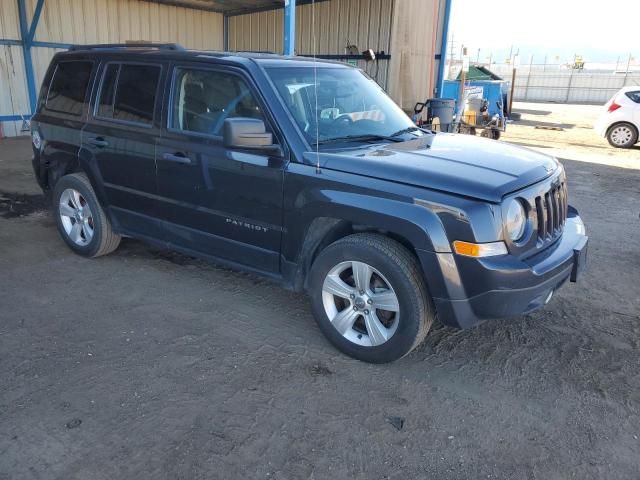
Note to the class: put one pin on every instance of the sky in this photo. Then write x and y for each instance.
(598, 30)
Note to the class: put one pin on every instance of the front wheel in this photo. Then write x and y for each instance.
(369, 298)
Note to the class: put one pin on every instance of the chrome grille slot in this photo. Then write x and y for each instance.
(563, 203)
(542, 220)
(556, 210)
(556, 195)
(549, 207)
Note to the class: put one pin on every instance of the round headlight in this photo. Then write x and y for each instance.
(515, 221)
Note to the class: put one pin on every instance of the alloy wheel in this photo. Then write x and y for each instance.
(360, 303)
(76, 217)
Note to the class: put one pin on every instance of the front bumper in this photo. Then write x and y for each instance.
(470, 290)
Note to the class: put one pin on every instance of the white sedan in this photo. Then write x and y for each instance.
(620, 120)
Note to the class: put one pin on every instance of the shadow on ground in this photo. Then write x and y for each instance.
(532, 112)
(545, 125)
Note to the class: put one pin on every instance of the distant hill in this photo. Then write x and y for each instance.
(558, 55)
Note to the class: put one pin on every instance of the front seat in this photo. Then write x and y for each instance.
(194, 108)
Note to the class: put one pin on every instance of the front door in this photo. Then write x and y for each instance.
(216, 201)
(120, 138)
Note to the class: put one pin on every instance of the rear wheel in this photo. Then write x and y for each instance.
(622, 135)
(369, 298)
(81, 220)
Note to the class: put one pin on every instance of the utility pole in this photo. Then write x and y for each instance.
(626, 74)
(452, 49)
(463, 79)
(515, 60)
(526, 91)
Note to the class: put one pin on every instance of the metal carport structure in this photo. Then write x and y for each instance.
(32, 31)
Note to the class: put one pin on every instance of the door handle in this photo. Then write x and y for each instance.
(99, 142)
(178, 157)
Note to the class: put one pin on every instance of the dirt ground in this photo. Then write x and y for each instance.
(566, 131)
(147, 364)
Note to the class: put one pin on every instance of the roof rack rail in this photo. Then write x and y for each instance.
(159, 46)
(269, 52)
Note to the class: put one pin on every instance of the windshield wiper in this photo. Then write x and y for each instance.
(408, 130)
(362, 138)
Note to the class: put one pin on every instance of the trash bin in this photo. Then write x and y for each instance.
(442, 109)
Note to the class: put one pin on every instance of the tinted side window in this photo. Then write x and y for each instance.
(203, 99)
(635, 96)
(105, 104)
(129, 92)
(68, 87)
(136, 93)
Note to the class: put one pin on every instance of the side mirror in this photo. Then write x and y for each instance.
(248, 133)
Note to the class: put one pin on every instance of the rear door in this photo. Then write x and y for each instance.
(61, 114)
(119, 140)
(217, 201)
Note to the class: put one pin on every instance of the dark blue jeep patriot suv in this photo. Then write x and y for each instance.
(308, 173)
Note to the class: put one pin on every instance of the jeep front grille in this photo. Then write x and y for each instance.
(551, 211)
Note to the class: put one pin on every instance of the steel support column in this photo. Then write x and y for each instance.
(289, 27)
(27, 33)
(444, 46)
(225, 32)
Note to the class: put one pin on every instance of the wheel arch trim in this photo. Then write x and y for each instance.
(416, 226)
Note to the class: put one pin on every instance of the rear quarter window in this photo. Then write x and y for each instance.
(635, 96)
(68, 87)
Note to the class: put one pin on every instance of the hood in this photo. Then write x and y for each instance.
(461, 164)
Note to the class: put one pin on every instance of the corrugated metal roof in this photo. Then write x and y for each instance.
(231, 7)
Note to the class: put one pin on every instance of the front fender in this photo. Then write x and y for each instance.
(404, 217)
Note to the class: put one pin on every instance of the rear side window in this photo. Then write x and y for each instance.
(635, 96)
(128, 93)
(68, 87)
(105, 105)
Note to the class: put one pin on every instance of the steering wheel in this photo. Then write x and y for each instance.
(342, 120)
(228, 109)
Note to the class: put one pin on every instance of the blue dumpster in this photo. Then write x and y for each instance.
(494, 91)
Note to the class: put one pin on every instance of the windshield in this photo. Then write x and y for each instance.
(349, 105)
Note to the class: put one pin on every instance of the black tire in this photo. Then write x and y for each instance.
(632, 137)
(491, 133)
(401, 269)
(104, 240)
